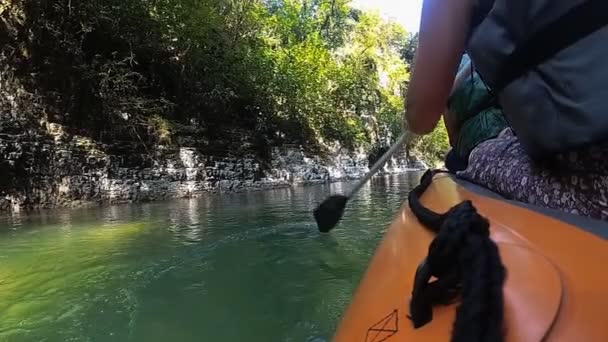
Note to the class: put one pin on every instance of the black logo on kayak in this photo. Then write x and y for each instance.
(385, 329)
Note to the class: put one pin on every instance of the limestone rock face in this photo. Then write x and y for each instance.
(48, 170)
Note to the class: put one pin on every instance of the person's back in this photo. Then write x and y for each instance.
(548, 74)
(546, 60)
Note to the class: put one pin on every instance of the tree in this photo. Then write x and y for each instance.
(304, 71)
(408, 51)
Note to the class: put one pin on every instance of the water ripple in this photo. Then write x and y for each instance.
(236, 267)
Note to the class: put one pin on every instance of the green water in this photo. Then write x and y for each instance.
(240, 267)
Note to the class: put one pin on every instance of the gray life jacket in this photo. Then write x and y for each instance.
(547, 62)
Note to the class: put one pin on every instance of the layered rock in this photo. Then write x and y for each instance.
(52, 170)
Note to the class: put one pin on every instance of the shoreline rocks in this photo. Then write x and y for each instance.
(45, 171)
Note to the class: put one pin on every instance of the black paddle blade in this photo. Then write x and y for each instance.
(329, 213)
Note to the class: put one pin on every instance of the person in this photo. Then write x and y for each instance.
(544, 60)
(472, 116)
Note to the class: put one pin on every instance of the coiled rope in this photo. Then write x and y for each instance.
(464, 262)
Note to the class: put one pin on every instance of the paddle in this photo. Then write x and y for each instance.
(330, 212)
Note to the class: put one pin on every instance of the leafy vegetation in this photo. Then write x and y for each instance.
(432, 148)
(273, 71)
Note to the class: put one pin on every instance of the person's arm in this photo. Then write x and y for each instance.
(443, 30)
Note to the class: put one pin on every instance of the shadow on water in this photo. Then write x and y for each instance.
(231, 267)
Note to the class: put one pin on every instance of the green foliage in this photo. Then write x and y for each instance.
(433, 147)
(304, 71)
(408, 51)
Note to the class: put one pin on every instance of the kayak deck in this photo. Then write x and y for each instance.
(555, 288)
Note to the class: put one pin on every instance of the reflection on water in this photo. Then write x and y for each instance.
(233, 267)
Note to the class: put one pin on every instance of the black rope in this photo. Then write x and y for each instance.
(464, 261)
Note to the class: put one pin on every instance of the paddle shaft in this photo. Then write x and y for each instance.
(378, 165)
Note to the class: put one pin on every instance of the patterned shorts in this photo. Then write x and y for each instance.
(576, 182)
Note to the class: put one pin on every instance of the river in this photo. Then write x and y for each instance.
(230, 267)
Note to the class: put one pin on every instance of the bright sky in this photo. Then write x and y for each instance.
(406, 12)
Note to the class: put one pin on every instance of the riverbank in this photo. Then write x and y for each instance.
(145, 103)
(50, 168)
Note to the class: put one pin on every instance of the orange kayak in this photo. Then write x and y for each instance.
(556, 287)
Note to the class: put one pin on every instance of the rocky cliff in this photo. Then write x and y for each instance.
(50, 168)
(47, 164)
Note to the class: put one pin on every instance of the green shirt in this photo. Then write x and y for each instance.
(476, 126)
